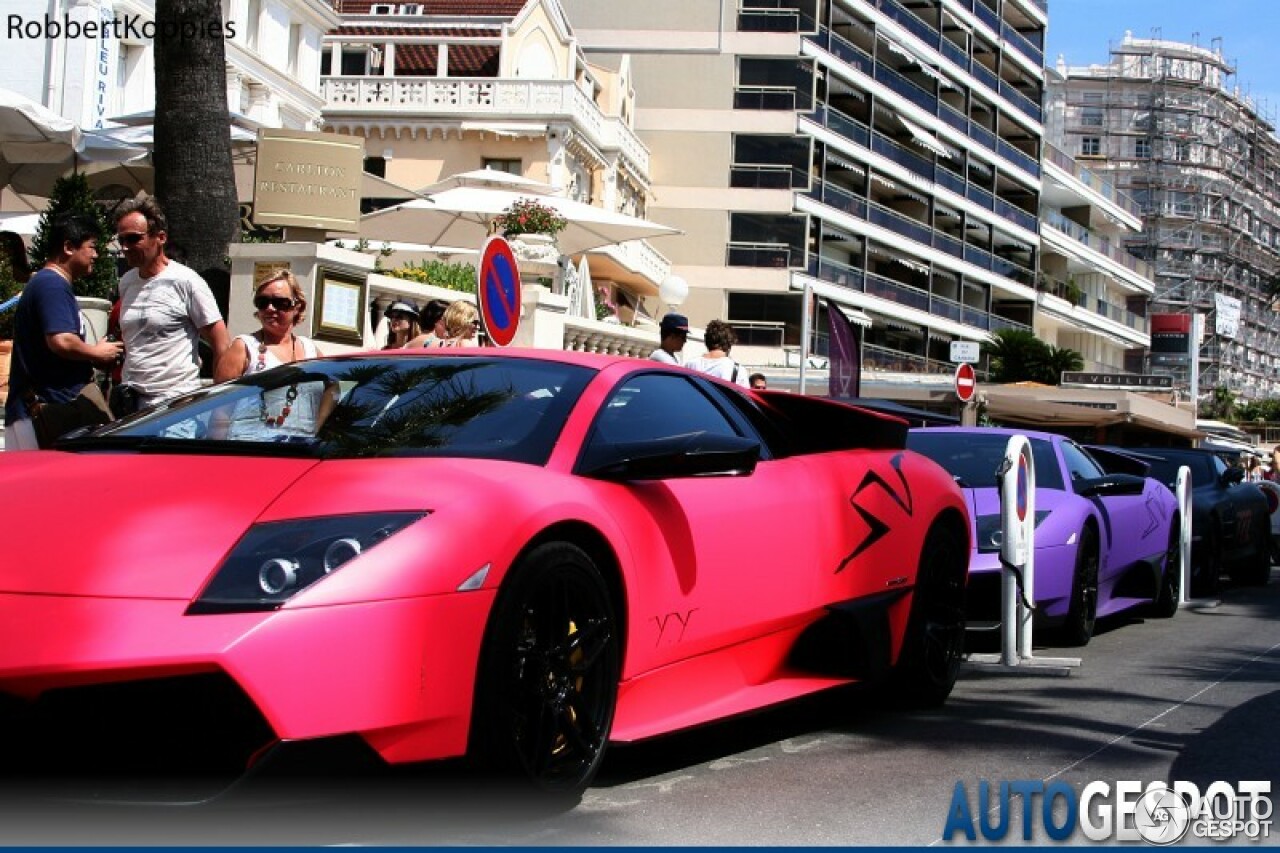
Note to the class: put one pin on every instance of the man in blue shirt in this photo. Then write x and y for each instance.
(50, 357)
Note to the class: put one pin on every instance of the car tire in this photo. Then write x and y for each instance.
(1256, 569)
(1082, 614)
(1166, 603)
(548, 678)
(1206, 573)
(933, 645)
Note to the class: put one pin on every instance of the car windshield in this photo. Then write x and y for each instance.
(973, 457)
(356, 407)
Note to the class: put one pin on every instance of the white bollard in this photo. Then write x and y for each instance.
(1017, 478)
(1183, 492)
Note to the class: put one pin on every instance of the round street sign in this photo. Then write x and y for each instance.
(966, 382)
(498, 291)
(1020, 502)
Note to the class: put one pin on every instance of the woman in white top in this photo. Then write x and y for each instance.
(460, 323)
(297, 410)
(720, 339)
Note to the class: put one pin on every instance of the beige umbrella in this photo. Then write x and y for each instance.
(462, 216)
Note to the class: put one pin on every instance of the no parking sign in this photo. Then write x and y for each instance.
(498, 291)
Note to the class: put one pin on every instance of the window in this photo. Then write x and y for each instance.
(1091, 113)
(652, 407)
(411, 9)
(382, 9)
(1080, 465)
(1142, 149)
(253, 15)
(1090, 146)
(511, 167)
(1182, 151)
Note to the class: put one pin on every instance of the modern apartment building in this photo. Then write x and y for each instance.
(885, 155)
(1166, 123)
(1091, 293)
(442, 87)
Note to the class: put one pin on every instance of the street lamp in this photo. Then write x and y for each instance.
(673, 290)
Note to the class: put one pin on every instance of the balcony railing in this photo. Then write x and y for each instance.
(479, 97)
(766, 176)
(741, 254)
(1097, 242)
(1087, 177)
(856, 131)
(764, 98)
(888, 289)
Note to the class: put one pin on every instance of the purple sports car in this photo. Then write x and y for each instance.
(1106, 539)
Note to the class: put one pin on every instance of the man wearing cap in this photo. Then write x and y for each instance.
(674, 330)
(402, 324)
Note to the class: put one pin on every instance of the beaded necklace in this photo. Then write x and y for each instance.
(290, 395)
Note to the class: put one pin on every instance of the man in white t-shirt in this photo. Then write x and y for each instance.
(165, 308)
(673, 332)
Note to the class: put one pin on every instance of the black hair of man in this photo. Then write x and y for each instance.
(74, 228)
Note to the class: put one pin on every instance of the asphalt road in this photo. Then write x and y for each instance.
(1194, 698)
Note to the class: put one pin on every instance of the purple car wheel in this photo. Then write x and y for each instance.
(1077, 630)
(1166, 603)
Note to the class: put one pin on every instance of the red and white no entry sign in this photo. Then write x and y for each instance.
(966, 382)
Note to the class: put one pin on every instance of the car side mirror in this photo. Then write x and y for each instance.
(1112, 485)
(693, 455)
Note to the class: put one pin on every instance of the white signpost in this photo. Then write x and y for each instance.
(964, 352)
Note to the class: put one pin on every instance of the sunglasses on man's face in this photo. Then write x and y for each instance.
(280, 303)
(131, 239)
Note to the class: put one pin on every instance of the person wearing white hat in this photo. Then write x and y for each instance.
(402, 325)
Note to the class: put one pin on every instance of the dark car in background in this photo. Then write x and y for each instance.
(1230, 518)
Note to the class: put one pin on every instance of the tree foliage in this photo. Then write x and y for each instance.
(71, 195)
(1017, 355)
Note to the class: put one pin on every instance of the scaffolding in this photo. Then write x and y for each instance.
(1168, 124)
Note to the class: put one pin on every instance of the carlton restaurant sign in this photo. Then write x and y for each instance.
(1117, 381)
(307, 179)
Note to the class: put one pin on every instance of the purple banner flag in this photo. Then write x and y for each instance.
(846, 355)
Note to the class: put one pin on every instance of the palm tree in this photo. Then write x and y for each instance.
(1055, 361)
(1013, 355)
(194, 177)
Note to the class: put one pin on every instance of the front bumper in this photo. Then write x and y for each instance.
(1052, 583)
(399, 673)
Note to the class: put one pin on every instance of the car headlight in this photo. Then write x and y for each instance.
(276, 560)
(991, 531)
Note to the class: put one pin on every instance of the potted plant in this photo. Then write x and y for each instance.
(528, 216)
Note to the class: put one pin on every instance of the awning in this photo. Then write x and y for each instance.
(906, 193)
(884, 182)
(912, 265)
(855, 316)
(894, 47)
(925, 139)
(937, 74)
(838, 86)
(956, 21)
(841, 163)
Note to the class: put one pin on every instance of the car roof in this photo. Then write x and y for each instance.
(597, 361)
(1029, 433)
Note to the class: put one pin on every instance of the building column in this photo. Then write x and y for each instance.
(442, 61)
(389, 59)
(233, 91)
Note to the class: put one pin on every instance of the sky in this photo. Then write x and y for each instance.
(1084, 30)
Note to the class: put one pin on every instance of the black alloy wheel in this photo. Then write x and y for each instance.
(933, 646)
(1082, 615)
(1166, 603)
(549, 672)
(1206, 572)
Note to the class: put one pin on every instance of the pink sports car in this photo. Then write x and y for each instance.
(518, 556)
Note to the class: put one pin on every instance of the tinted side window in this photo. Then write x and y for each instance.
(1080, 465)
(655, 406)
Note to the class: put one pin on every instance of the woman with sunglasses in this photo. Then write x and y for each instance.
(402, 325)
(301, 408)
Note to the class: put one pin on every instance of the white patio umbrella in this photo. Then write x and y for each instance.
(493, 179)
(37, 146)
(462, 217)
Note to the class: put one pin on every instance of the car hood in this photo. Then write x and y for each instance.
(127, 525)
